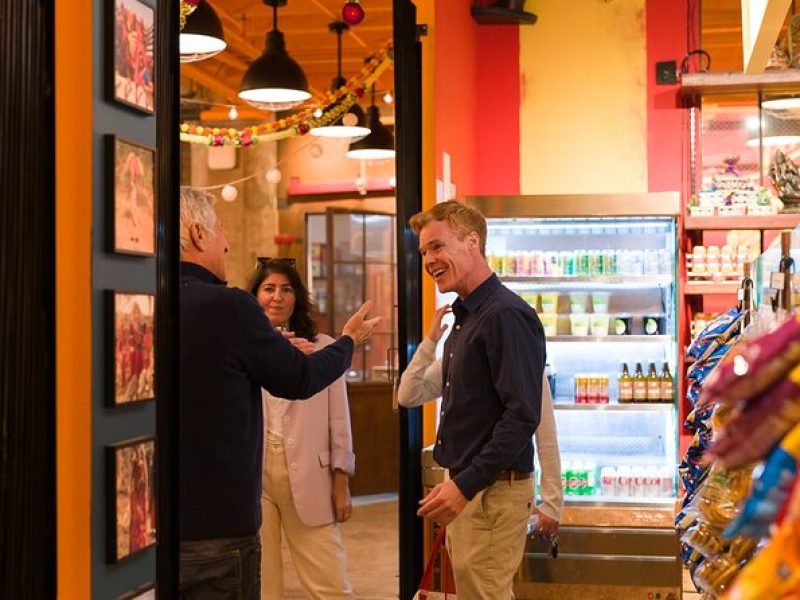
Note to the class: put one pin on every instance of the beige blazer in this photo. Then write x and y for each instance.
(422, 382)
(317, 439)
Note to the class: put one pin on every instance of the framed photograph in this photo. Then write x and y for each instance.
(146, 592)
(131, 499)
(132, 56)
(131, 374)
(131, 182)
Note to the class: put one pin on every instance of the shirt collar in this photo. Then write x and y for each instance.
(473, 302)
(189, 269)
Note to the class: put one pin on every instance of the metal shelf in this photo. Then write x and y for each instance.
(650, 280)
(601, 500)
(616, 339)
(665, 407)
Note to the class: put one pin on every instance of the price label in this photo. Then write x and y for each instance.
(740, 294)
(777, 281)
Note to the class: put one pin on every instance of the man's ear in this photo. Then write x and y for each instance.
(198, 236)
(473, 240)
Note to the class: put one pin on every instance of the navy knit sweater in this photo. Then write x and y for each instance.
(228, 352)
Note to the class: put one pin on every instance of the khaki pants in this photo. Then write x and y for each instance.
(317, 552)
(487, 539)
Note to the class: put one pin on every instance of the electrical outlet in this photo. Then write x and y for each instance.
(666, 72)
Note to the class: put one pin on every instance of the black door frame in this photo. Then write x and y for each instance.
(27, 301)
(408, 143)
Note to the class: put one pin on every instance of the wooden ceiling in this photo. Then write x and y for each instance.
(304, 24)
(721, 23)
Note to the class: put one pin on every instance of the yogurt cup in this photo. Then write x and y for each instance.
(579, 323)
(600, 302)
(599, 324)
(549, 323)
(577, 302)
(549, 302)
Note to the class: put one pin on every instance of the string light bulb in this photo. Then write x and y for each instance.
(388, 98)
(352, 12)
(229, 193)
(233, 114)
(274, 175)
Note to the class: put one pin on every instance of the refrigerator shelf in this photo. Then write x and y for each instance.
(585, 281)
(637, 407)
(601, 500)
(612, 339)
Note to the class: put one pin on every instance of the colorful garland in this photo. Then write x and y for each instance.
(336, 104)
(186, 8)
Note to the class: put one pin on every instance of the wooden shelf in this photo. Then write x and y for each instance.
(698, 288)
(784, 81)
(495, 15)
(784, 221)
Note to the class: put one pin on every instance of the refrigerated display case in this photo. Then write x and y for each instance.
(601, 272)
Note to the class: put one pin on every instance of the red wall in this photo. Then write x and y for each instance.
(666, 138)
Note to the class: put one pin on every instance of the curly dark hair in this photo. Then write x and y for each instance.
(300, 322)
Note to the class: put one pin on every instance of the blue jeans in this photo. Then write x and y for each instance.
(223, 569)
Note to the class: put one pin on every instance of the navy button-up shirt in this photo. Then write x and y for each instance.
(492, 390)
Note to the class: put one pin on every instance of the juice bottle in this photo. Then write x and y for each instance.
(653, 384)
(625, 386)
(639, 385)
(667, 385)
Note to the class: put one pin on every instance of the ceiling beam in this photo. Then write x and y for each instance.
(233, 32)
(761, 23)
(210, 82)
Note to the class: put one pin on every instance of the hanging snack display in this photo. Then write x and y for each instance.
(746, 399)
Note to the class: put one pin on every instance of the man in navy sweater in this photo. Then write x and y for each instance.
(228, 352)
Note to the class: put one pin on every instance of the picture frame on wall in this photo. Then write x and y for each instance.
(146, 592)
(131, 52)
(130, 348)
(131, 497)
(132, 197)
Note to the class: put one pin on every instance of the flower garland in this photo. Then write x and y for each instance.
(186, 8)
(337, 103)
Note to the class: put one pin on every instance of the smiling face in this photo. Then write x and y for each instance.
(455, 264)
(277, 296)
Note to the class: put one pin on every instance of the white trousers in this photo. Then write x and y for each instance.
(317, 552)
(487, 540)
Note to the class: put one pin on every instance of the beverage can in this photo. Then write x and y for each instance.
(666, 482)
(608, 481)
(524, 264)
(573, 479)
(652, 481)
(637, 482)
(537, 263)
(623, 487)
(565, 476)
(509, 265)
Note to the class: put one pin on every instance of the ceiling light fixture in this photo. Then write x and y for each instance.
(777, 129)
(202, 36)
(379, 144)
(274, 81)
(352, 12)
(352, 124)
(784, 103)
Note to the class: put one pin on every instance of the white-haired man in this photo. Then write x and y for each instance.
(228, 352)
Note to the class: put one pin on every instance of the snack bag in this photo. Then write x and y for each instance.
(771, 490)
(754, 366)
(753, 433)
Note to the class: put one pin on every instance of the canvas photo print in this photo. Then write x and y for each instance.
(134, 33)
(134, 346)
(131, 471)
(133, 198)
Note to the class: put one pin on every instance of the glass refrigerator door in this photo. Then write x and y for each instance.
(604, 289)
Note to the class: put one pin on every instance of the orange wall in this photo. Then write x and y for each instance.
(73, 51)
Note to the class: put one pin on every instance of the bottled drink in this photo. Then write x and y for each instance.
(591, 480)
(625, 386)
(602, 390)
(594, 384)
(653, 384)
(624, 477)
(608, 481)
(573, 479)
(565, 476)
(667, 385)
(639, 385)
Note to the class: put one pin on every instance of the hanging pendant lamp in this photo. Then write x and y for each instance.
(352, 124)
(379, 144)
(202, 36)
(274, 81)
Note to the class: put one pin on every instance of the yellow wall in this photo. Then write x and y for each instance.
(583, 113)
(73, 51)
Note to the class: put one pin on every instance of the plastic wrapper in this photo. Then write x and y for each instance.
(755, 366)
(716, 332)
(771, 489)
(753, 433)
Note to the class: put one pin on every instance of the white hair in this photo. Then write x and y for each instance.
(197, 207)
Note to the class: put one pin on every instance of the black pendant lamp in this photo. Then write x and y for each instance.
(352, 124)
(379, 144)
(202, 36)
(274, 81)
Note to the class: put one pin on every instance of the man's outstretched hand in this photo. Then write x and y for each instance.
(358, 326)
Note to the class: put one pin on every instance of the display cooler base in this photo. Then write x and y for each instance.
(613, 563)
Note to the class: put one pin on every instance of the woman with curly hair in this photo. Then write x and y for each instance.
(308, 457)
